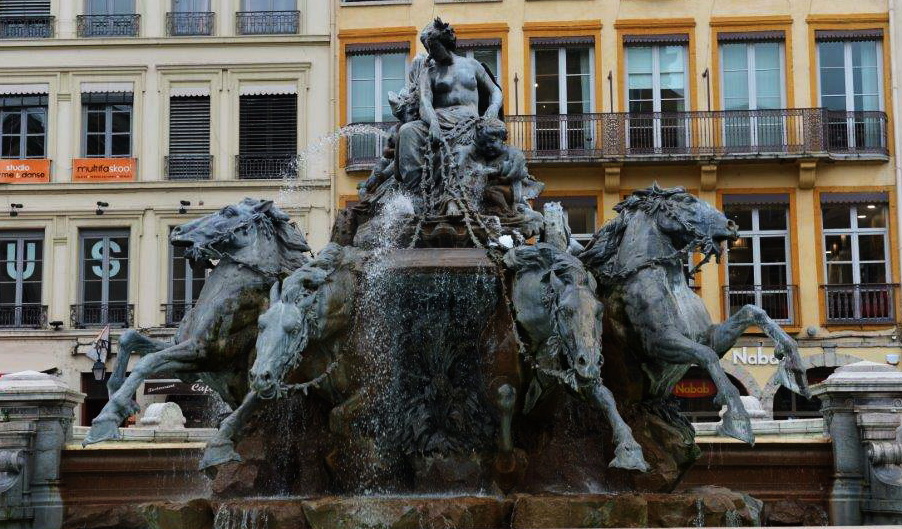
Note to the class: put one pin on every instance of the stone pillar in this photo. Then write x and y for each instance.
(35, 423)
(862, 405)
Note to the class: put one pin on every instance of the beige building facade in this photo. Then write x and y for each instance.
(124, 118)
(779, 113)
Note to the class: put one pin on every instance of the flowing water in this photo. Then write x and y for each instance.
(236, 517)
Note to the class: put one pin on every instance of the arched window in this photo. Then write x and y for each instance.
(788, 405)
(696, 391)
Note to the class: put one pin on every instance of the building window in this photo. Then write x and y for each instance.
(580, 213)
(753, 93)
(189, 139)
(373, 72)
(268, 140)
(563, 79)
(26, 19)
(268, 17)
(190, 17)
(856, 250)
(109, 18)
(486, 51)
(185, 283)
(20, 285)
(107, 119)
(788, 405)
(23, 126)
(851, 88)
(758, 265)
(103, 294)
(657, 90)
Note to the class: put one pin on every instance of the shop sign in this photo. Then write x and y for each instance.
(24, 171)
(104, 169)
(170, 387)
(694, 388)
(753, 358)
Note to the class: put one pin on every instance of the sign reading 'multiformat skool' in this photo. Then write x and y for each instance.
(24, 171)
(103, 169)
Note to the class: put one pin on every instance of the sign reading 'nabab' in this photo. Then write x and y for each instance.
(104, 169)
(694, 388)
(24, 171)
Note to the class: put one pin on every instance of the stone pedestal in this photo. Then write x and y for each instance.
(36, 412)
(862, 406)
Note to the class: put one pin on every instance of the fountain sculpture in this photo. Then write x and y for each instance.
(450, 339)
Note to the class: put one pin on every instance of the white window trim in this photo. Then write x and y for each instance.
(562, 78)
(658, 140)
(854, 232)
(108, 133)
(470, 55)
(377, 85)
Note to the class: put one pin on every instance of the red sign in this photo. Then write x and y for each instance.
(24, 171)
(694, 388)
(104, 169)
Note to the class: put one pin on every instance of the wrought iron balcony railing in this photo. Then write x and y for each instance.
(365, 143)
(27, 27)
(108, 25)
(861, 304)
(680, 136)
(266, 166)
(99, 314)
(779, 301)
(182, 24)
(267, 22)
(188, 166)
(175, 312)
(23, 316)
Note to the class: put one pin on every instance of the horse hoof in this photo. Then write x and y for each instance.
(737, 426)
(218, 454)
(105, 430)
(629, 457)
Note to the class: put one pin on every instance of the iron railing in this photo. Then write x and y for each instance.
(267, 22)
(175, 312)
(100, 314)
(861, 303)
(108, 25)
(27, 27)
(266, 166)
(365, 148)
(182, 24)
(680, 136)
(23, 316)
(780, 302)
(188, 166)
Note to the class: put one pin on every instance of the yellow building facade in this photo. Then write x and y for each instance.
(778, 112)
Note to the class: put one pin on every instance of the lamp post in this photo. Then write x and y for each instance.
(99, 371)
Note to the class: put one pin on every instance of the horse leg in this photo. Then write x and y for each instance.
(505, 400)
(628, 453)
(678, 349)
(221, 448)
(179, 357)
(131, 341)
(723, 336)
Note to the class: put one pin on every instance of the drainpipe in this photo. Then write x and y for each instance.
(896, 57)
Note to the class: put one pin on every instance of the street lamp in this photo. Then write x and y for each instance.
(99, 371)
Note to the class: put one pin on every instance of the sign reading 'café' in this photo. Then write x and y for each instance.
(103, 169)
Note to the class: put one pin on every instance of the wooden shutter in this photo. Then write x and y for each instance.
(189, 125)
(20, 8)
(268, 125)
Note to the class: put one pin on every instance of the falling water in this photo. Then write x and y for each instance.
(699, 520)
(229, 517)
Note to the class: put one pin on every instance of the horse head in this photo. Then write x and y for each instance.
(237, 229)
(299, 310)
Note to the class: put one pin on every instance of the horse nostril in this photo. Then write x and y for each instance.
(581, 361)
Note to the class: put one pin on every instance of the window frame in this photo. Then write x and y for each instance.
(110, 8)
(754, 121)
(24, 111)
(108, 129)
(658, 116)
(190, 295)
(564, 125)
(854, 232)
(105, 235)
(378, 80)
(848, 70)
(21, 238)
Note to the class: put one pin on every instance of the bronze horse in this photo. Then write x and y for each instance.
(255, 245)
(638, 260)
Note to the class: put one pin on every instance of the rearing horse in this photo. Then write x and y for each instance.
(256, 246)
(638, 260)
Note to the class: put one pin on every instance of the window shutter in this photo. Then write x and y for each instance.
(25, 8)
(268, 125)
(189, 125)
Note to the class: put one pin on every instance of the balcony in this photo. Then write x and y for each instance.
(860, 304)
(23, 316)
(780, 302)
(27, 27)
(703, 136)
(175, 312)
(267, 22)
(366, 141)
(181, 24)
(188, 166)
(108, 25)
(266, 166)
(99, 314)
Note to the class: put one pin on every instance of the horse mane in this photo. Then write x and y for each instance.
(546, 257)
(603, 247)
(291, 243)
(307, 278)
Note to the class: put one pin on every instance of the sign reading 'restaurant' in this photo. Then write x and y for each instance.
(24, 171)
(103, 169)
